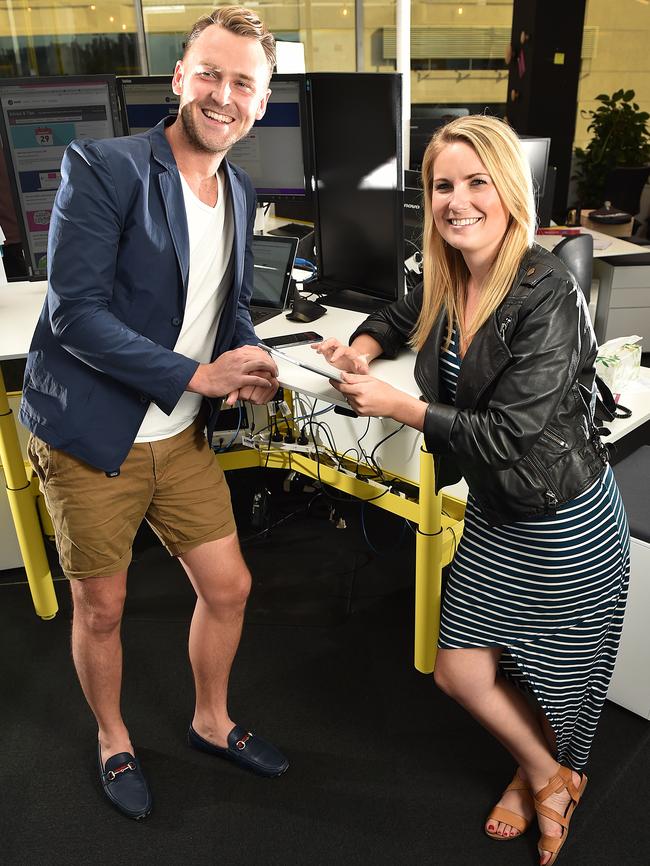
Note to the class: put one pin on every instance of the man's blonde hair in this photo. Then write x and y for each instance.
(239, 20)
(445, 271)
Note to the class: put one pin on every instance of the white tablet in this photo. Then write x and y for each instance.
(332, 373)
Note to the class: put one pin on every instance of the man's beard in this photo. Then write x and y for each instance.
(197, 140)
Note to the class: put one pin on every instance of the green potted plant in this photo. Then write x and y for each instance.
(620, 138)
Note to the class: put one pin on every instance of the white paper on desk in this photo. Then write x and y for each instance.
(602, 243)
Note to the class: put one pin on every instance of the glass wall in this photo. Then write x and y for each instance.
(54, 37)
(457, 49)
(615, 55)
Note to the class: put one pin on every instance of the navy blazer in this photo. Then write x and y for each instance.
(118, 267)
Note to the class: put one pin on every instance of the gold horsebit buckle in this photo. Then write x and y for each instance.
(118, 770)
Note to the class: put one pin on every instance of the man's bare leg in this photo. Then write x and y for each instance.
(222, 583)
(97, 653)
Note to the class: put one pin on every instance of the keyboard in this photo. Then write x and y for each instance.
(261, 314)
(292, 230)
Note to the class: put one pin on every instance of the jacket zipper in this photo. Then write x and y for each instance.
(550, 494)
(504, 327)
(549, 433)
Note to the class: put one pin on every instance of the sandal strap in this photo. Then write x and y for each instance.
(547, 812)
(507, 817)
(551, 843)
(518, 784)
(562, 780)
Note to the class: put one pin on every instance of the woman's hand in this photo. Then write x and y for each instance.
(369, 396)
(341, 356)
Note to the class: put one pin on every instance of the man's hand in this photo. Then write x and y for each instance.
(344, 357)
(246, 369)
(256, 394)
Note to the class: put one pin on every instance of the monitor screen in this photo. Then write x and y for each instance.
(421, 131)
(146, 99)
(536, 151)
(39, 117)
(276, 152)
(359, 186)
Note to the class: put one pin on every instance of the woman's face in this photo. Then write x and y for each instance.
(466, 206)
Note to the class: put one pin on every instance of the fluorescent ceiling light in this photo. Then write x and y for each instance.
(162, 10)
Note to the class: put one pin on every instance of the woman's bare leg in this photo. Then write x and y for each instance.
(470, 677)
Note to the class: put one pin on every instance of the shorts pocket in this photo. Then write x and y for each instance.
(40, 455)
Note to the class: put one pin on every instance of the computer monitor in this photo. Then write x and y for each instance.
(39, 117)
(359, 187)
(439, 112)
(536, 151)
(146, 100)
(276, 152)
(421, 131)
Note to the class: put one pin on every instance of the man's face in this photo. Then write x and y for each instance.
(223, 85)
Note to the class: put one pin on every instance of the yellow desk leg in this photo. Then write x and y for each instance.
(428, 568)
(24, 512)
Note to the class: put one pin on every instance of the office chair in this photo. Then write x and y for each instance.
(577, 253)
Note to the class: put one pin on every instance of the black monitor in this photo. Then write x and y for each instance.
(438, 112)
(39, 117)
(421, 131)
(359, 187)
(146, 100)
(276, 152)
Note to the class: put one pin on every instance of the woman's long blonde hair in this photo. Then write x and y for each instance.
(445, 271)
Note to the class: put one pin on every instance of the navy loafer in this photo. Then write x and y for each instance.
(124, 784)
(244, 749)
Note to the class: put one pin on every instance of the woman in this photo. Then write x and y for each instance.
(536, 593)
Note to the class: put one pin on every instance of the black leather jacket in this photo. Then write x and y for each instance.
(521, 430)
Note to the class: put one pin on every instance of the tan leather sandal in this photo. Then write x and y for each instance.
(505, 816)
(560, 781)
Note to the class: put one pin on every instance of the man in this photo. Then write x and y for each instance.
(145, 328)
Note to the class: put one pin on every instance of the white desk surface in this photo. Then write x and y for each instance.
(20, 307)
(604, 245)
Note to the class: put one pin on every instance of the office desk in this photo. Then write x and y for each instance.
(604, 245)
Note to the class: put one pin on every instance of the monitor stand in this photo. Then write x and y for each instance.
(348, 299)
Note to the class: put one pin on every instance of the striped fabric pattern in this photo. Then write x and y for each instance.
(551, 590)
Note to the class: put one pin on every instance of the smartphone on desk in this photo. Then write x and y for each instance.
(301, 339)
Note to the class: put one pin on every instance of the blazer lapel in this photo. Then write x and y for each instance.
(171, 190)
(172, 194)
(240, 222)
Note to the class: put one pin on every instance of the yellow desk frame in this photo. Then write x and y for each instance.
(439, 519)
(25, 504)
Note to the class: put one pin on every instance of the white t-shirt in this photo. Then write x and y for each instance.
(211, 233)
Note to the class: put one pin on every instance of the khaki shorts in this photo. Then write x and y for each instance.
(176, 485)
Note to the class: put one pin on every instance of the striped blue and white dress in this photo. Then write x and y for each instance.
(551, 590)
